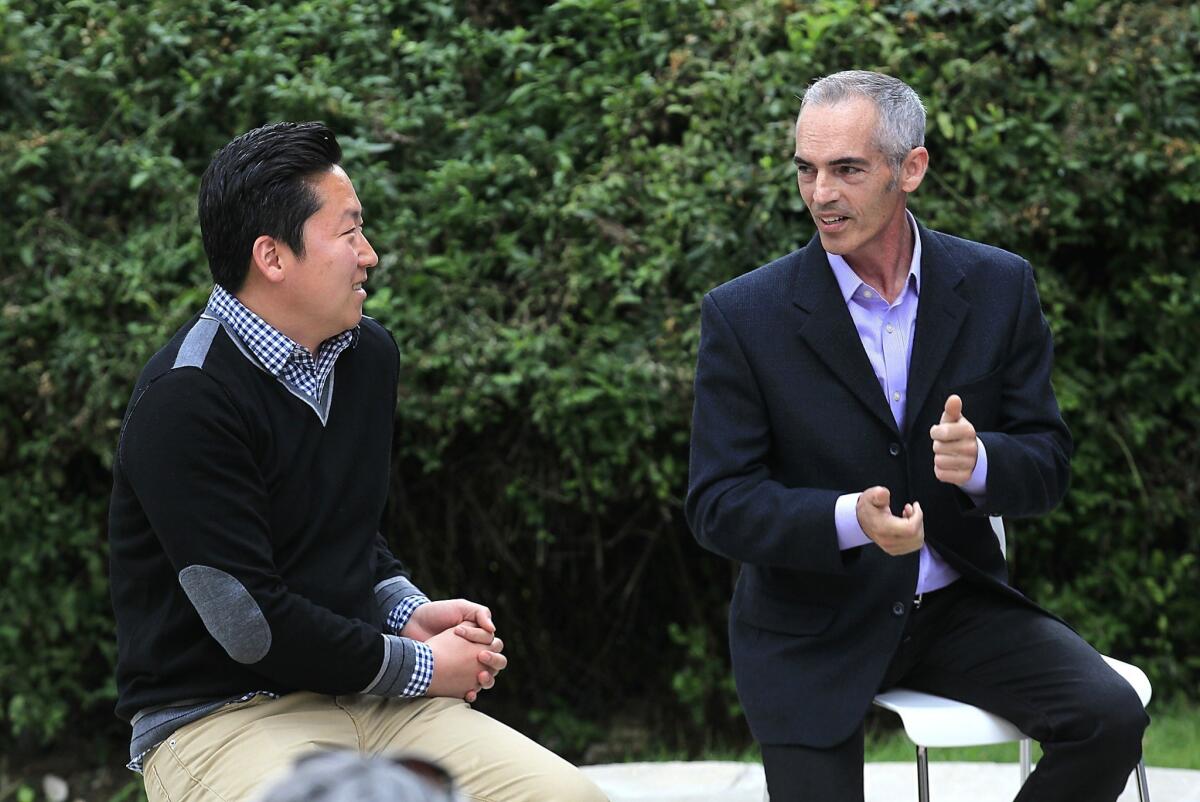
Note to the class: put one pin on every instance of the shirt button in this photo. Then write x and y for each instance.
(890, 328)
(868, 294)
(898, 609)
(894, 449)
(896, 396)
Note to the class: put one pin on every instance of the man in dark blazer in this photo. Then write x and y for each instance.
(863, 405)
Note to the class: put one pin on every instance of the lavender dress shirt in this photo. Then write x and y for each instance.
(886, 331)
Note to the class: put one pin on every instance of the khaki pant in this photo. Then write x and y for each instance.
(238, 751)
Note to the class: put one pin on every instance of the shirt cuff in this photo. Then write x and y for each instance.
(406, 670)
(976, 486)
(418, 684)
(403, 611)
(850, 533)
(392, 591)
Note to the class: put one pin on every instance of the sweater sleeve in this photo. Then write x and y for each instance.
(392, 582)
(187, 453)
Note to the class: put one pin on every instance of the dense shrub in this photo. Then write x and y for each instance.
(552, 188)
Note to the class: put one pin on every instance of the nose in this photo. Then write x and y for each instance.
(367, 257)
(824, 189)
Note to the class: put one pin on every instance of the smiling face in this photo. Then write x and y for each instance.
(323, 290)
(847, 183)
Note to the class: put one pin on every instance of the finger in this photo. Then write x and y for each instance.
(951, 477)
(952, 467)
(496, 645)
(474, 634)
(879, 496)
(487, 680)
(953, 410)
(961, 442)
(493, 660)
(470, 696)
(908, 510)
(483, 617)
(476, 614)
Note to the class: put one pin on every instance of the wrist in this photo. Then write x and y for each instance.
(402, 613)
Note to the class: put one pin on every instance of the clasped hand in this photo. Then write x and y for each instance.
(466, 652)
(955, 452)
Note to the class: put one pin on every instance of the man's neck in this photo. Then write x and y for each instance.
(261, 304)
(887, 265)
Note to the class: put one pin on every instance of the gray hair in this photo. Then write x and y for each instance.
(352, 777)
(901, 123)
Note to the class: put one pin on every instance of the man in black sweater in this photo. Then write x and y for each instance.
(260, 614)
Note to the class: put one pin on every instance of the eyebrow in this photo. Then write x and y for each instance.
(853, 161)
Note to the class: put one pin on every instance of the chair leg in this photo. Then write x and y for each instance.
(1143, 786)
(1026, 759)
(922, 774)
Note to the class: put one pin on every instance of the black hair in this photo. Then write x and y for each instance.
(261, 183)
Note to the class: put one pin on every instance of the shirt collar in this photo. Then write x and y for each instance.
(273, 348)
(849, 282)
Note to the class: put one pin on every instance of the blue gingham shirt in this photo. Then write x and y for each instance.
(282, 356)
(422, 674)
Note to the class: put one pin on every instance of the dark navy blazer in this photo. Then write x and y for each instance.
(789, 415)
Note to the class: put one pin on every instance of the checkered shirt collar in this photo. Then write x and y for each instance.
(272, 347)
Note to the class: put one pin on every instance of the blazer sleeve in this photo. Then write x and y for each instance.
(734, 507)
(1029, 452)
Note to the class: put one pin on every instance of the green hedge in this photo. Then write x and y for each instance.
(552, 189)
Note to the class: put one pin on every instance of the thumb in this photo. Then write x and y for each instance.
(483, 617)
(879, 496)
(477, 614)
(953, 411)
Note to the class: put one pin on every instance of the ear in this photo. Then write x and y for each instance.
(268, 257)
(912, 172)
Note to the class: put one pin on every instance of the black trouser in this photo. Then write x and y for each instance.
(974, 645)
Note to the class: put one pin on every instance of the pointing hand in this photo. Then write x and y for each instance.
(955, 448)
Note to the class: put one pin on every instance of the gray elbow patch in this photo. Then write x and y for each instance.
(228, 611)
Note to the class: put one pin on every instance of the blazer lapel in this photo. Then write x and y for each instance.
(829, 331)
(940, 314)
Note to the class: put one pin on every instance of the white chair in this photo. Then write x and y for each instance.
(934, 721)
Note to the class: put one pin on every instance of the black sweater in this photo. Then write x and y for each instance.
(243, 528)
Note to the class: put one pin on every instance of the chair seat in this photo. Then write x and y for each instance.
(936, 721)
(931, 720)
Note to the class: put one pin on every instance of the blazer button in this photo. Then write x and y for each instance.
(894, 449)
(898, 609)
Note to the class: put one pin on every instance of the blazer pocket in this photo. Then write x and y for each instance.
(978, 383)
(788, 617)
(981, 399)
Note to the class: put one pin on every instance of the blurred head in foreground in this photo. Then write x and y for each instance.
(352, 777)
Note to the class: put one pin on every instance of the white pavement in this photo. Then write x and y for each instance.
(715, 781)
